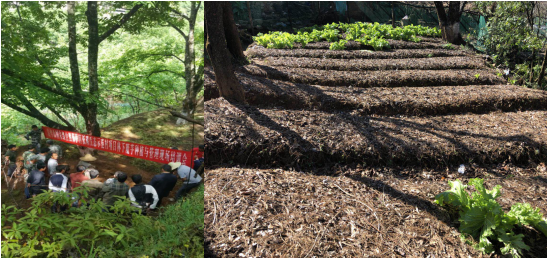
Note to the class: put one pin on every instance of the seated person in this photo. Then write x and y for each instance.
(143, 195)
(95, 186)
(118, 188)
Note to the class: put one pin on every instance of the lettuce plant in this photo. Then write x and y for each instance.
(482, 217)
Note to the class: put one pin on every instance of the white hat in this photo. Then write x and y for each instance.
(174, 165)
(88, 158)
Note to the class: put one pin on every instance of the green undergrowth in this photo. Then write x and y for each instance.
(482, 217)
(367, 34)
(92, 232)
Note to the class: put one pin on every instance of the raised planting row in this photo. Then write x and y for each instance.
(369, 212)
(394, 44)
(438, 63)
(400, 78)
(246, 135)
(256, 51)
(366, 34)
(267, 93)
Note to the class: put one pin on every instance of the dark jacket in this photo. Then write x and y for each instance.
(37, 177)
(163, 183)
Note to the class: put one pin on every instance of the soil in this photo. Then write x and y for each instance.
(340, 153)
(383, 78)
(261, 52)
(438, 63)
(351, 212)
(417, 101)
(247, 135)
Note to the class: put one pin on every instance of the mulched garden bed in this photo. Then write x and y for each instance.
(267, 93)
(394, 44)
(400, 78)
(438, 63)
(351, 211)
(258, 51)
(246, 135)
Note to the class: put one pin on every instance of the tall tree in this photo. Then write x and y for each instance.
(28, 79)
(450, 22)
(216, 46)
(193, 72)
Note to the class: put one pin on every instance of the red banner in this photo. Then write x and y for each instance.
(147, 152)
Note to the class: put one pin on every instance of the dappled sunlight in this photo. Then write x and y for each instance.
(126, 132)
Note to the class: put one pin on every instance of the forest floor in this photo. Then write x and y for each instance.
(340, 153)
(155, 128)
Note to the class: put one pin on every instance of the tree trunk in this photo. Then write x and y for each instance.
(542, 71)
(92, 126)
(229, 87)
(250, 17)
(231, 32)
(192, 86)
(73, 54)
(450, 23)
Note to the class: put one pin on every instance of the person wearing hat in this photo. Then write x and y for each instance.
(35, 137)
(86, 159)
(163, 183)
(53, 148)
(188, 176)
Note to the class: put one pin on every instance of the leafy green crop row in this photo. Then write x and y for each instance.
(367, 34)
(483, 218)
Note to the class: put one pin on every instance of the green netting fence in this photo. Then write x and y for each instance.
(283, 16)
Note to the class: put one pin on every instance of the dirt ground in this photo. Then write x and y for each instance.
(340, 153)
(352, 211)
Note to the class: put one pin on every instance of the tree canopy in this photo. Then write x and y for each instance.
(65, 58)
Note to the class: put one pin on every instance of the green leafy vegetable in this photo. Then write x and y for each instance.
(482, 217)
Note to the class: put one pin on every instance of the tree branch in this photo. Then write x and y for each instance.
(59, 115)
(180, 14)
(178, 30)
(124, 19)
(177, 114)
(146, 101)
(40, 85)
(160, 71)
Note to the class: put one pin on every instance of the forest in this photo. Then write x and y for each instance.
(130, 71)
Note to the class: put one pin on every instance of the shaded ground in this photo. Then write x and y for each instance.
(152, 128)
(350, 212)
(340, 153)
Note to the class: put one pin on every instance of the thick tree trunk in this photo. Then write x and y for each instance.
(231, 32)
(73, 54)
(450, 23)
(216, 47)
(92, 126)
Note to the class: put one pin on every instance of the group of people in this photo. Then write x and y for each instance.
(41, 164)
